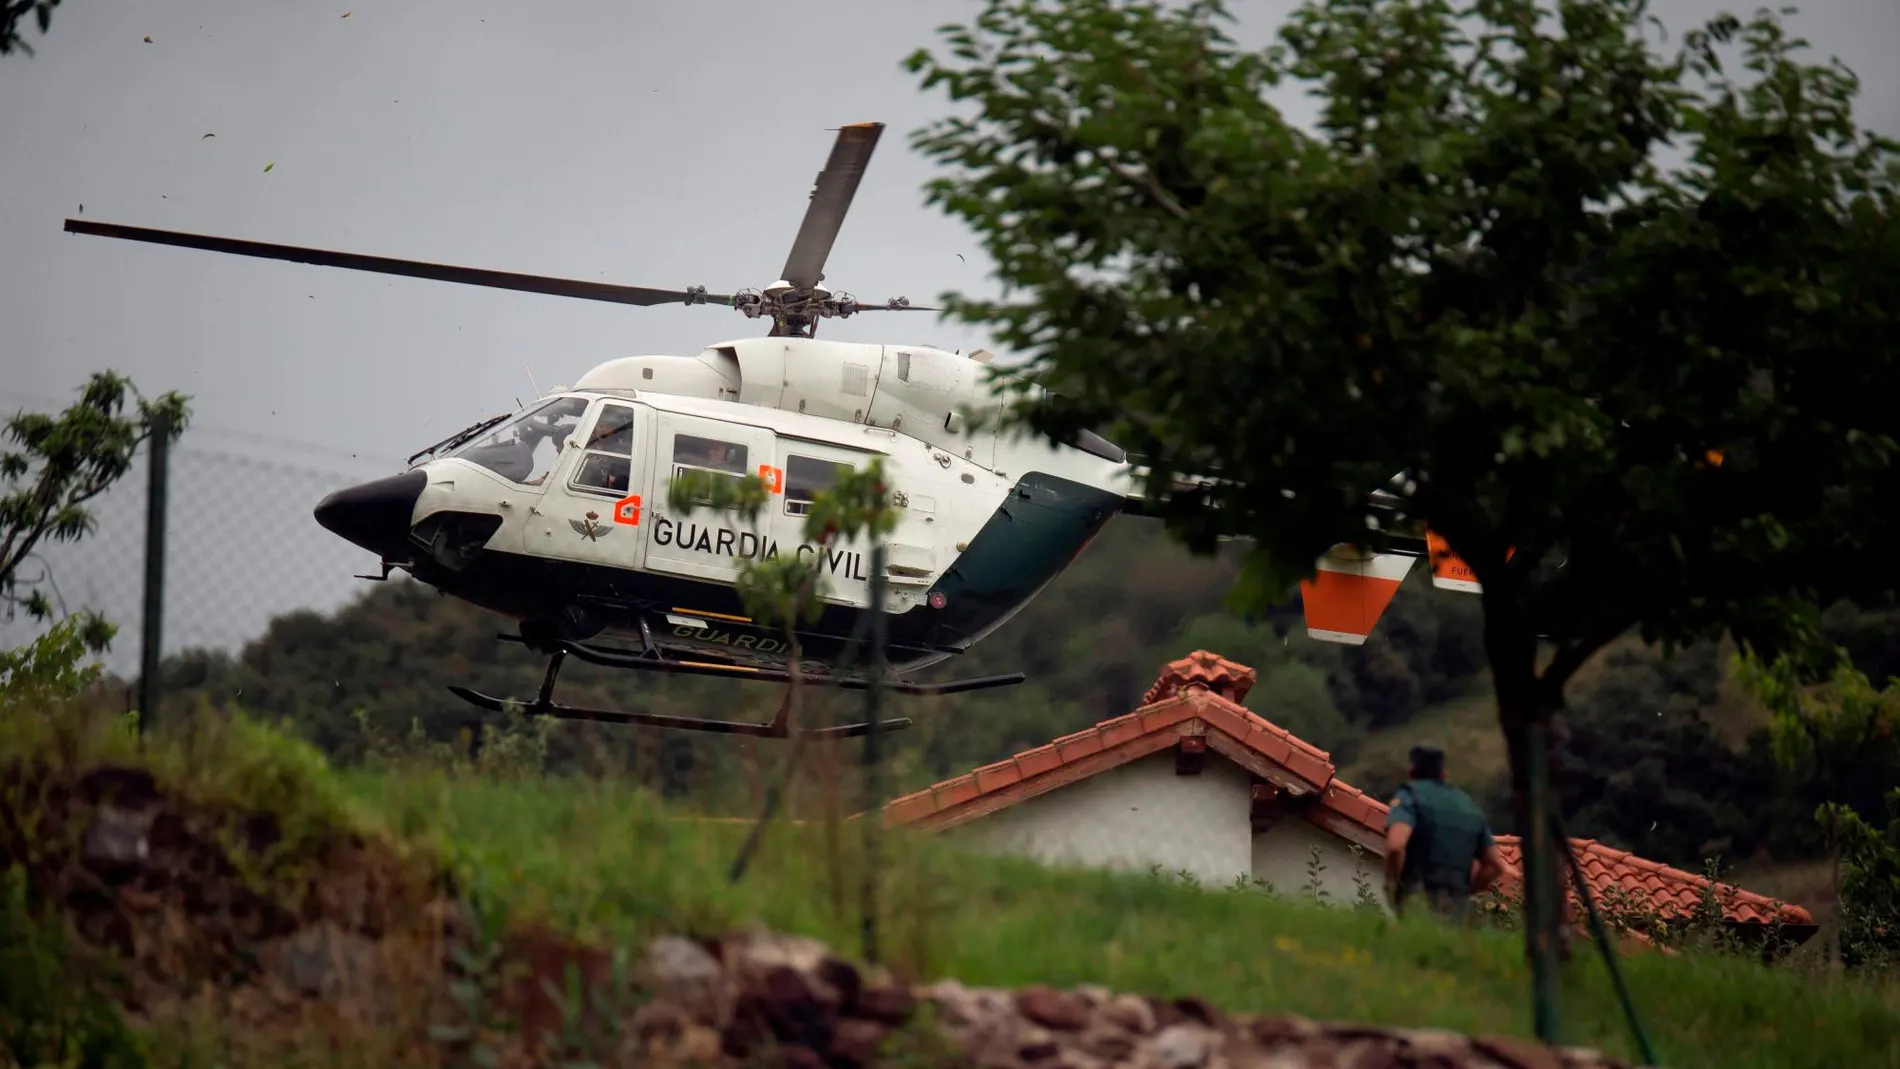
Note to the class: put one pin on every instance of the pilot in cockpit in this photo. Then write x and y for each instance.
(531, 437)
(522, 452)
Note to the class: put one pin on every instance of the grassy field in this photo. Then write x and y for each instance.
(604, 862)
(598, 859)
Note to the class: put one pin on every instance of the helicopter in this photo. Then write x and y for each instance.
(556, 514)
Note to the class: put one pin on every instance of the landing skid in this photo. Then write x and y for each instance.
(654, 661)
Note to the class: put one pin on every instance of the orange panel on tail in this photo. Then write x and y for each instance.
(1345, 599)
(1449, 571)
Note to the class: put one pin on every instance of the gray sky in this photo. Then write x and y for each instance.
(664, 144)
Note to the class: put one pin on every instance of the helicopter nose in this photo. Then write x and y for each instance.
(374, 515)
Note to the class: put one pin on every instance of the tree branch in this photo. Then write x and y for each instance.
(1572, 655)
(1146, 181)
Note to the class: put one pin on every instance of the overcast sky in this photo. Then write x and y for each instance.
(664, 144)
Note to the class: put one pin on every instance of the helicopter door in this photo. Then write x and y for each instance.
(703, 541)
(593, 512)
(808, 468)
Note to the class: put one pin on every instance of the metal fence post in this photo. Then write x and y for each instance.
(873, 789)
(1541, 888)
(159, 456)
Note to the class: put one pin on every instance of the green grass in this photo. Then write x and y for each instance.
(606, 861)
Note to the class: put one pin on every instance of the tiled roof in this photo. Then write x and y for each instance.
(1619, 879)
(1199, 696)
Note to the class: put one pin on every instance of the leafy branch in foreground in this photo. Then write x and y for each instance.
(785, 589)
(1843, 737)
(53, 466)
(13, 12)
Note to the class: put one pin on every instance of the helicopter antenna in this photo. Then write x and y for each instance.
(531, 383)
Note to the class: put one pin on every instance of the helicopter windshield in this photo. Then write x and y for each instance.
(524, 448)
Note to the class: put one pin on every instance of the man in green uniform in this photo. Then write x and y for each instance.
(1437, 841)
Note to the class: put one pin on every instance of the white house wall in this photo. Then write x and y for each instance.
(1283, 853)
(1132, 817)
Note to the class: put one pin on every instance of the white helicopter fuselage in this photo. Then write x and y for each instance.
(790, 410)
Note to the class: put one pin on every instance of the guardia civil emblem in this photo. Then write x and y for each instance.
(592, 529)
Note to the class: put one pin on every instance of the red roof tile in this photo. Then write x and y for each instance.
(1201, 694)
(1207, 671)
(1619, 879)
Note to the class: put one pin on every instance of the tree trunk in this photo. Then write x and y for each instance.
(1835, 960)
(1525, 717)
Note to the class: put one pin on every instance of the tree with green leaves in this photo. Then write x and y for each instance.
(51, 467)
(1842, 737)
(13, 12)
(1630, 390)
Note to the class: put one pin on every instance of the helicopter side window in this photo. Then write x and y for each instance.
(607, 467)
(525, 448)
(805, 477)
(692, 453)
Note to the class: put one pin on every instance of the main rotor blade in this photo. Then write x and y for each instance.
(830, 199)
(856, 308)
(469, 276)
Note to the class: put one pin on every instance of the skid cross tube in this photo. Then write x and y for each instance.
(545, 705)
(610, 657)
(774, 730)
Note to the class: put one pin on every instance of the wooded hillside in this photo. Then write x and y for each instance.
(1662, 757)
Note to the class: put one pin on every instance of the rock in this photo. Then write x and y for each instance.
(681, 971)
(762, 999)
(1056, 1010)
(1454, 1047)
(795, 1007)
(1518, 1053)
(957, 1005)
(1106, 1041)
(1195, 1009)
(751, 955)
(324, 960)
(1035, 1043)
(118, 838)
(889, 1004)
(1369, 1053)
(798, 1056)
(1180, 1046)
(697, 1044)
(1131, 1013)
(840, 981)
(857, 1041)
(1272, 1031)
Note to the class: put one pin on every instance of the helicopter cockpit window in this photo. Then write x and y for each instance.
(525, 448)
(692, 453)
(805, 477)
(607, 467)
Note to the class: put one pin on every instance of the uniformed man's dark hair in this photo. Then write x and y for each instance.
(1428, 762)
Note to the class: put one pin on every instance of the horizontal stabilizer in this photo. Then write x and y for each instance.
(1449, 571)
(1346, 596)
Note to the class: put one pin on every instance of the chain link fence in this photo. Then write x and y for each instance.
(241, 548)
